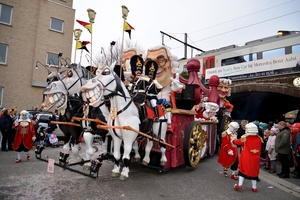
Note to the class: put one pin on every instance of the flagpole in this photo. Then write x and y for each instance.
(91, 45)
(75, 52)
(122, 46)
(80, 56)
(125, 12)
(92, 15)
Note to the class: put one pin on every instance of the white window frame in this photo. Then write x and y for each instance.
(1, 96)
(2, 6)
(3, 62)
(52, 59)
(53, 28)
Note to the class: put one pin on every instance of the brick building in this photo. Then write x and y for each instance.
(31, 31)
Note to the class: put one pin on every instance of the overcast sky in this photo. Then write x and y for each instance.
(210, 24)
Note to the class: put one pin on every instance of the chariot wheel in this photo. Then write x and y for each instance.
(194, 140)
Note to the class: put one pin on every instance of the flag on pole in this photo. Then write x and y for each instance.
(128, 28)
(86, 25)
(82, 45)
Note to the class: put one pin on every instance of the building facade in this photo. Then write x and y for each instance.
(32, 33)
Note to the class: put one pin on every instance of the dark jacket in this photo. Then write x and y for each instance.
(6, 123)
(282, 142)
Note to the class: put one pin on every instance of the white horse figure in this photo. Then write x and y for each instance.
(159, 129)
(62, 94)
(123, 112)
(120, 113)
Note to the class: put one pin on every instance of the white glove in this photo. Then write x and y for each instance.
(130, 86)
(230, 152)
(33, 138)
(127, 75)
(175, 85)
(157, 84)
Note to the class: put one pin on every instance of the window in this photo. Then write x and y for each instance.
(273, 53)
(250, 57)
(52, 59)
(296, 48)
(5, 14)
(212, 63)
(1, 96)
(56, 25)
(232, 61)
(3, 54)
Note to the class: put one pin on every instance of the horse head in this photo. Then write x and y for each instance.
(68, 83)
(106, 83)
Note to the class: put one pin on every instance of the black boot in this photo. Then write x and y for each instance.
(144, 114)
(156, 114)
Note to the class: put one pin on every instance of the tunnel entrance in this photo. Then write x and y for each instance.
(262, 106)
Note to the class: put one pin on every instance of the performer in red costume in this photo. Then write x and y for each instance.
(249, 163)
(228, 156)
(25, 135)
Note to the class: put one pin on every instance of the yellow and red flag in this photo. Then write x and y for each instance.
(128, 28)
(82, 45)
(86, 25)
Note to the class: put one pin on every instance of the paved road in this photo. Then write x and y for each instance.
(30, 180)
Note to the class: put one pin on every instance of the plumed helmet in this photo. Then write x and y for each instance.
(233, 126)
(151, 68)
(136, 63)
(251, 129)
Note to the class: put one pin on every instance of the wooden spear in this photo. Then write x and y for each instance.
(139, 132)
(64, 123)
(88, 119)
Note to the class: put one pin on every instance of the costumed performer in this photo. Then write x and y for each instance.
(223, 92)
(250, 156)
(228, 156)
(25, 135)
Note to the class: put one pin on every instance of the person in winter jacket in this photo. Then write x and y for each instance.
(283, 148)
(270, 148)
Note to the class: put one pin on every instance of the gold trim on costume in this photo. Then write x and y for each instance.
(254, 150)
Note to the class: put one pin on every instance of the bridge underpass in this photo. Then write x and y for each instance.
(262, 106)
(264, 100)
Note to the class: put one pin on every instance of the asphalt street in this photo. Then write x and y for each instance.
(30, 180)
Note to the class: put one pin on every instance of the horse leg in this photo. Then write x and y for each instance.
(126, 159)
(148, 148)
(76, 154)
(66, 148)
(137, 156)
(88, 138)
(163, 160)
(117, 155)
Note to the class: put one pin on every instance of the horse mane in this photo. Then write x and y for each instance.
(119, 85)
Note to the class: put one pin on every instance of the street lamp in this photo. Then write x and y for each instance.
(124, 12)
(92, 15)
(77, 33)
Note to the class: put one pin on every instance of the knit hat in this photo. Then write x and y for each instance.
(275, 129)
(251, 129)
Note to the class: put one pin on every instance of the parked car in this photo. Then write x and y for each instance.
(43, 119)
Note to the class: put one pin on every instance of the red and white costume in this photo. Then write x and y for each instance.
(225, 159)
(228, 156)
(25, 135)
(249, 162)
